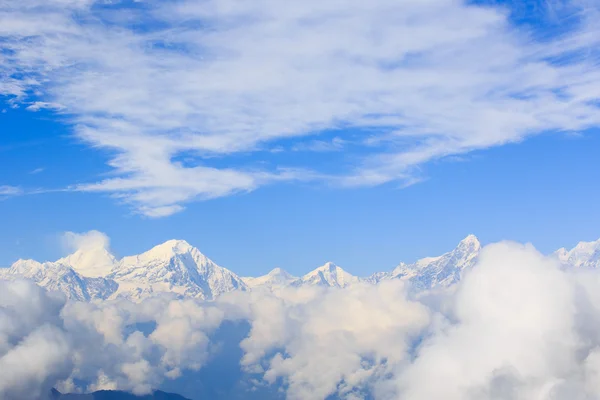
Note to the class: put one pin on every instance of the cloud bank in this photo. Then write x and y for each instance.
(517, 327)
(159, 83)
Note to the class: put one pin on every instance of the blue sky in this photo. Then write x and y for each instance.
(272, 136)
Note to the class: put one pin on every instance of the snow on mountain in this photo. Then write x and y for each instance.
(432, 272)
(56, 276)
(328, 275)
(176, 267)
(274, 280)
(584, 255)
(94, 263)
(173, 267)
(179, 268)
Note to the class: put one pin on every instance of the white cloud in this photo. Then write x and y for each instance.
(46, 343)
(111, 353)
(40, 105)
(517, 327)
(34, 351)
(328, 341)
(428, 78)
(87, 241)
(515, 337)
(335, 144)
(9, 191)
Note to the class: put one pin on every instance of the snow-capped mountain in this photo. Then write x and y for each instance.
(328, 275)
(94, 263)
(56, 276)
(584, 255)
(432, 272)
(176, 267)
(274, 280)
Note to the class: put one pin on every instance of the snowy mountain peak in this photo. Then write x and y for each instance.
(586, 248)
(470, 242)
(279, 272)
(168, 251)
(27, 268)
(328, 266)
(169, 248)
(562, 254)
(276, 279)
(583, 255)
(178, 268)
(94, 263)
(444, 270)
(63, 278)
(175, 267)
(329, 274)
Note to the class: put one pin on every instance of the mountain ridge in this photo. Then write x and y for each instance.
(441, 271)
(178, 268)
(583, 255)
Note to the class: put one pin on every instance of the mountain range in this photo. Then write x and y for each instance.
(178, 268)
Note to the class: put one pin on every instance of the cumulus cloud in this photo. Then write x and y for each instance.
(45, 342)
(419, 80)
(34, 350)
(112, 351)
(517, 327)
(87, 241)
(514, 337)
(326, 341)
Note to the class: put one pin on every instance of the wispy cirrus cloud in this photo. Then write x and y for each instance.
(9, 191)
(428, 79)
(37, 171)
